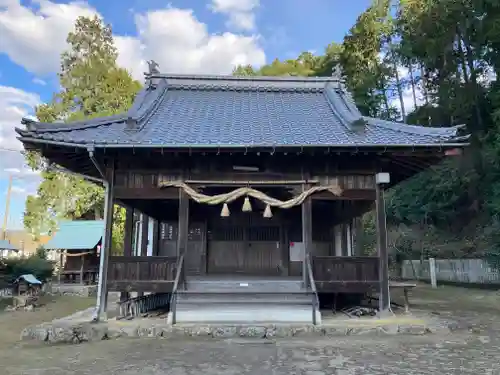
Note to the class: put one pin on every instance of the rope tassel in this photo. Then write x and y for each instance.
(225, 211)
(247, 206)
(267, 212)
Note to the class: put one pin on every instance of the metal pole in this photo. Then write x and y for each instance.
(7, 207)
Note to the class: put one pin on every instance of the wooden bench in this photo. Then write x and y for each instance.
(406, 288)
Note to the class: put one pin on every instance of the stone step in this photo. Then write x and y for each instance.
(244, 286)
(247, 314)
(201, 298)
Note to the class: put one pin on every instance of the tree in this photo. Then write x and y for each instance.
(92, 85)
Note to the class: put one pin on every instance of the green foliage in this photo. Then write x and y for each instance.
(448, 48)
(92, 85)
(41, 252)
(41, 268)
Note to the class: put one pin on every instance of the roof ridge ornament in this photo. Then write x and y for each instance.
(152, 71)
(338, 75)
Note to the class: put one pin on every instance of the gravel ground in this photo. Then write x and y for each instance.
(456, 354)
(474, 352)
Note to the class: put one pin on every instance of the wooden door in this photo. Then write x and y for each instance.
(263, 252)
(195, 259)
(244, 249)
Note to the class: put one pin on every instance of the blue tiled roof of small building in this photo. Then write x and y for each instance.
(201, 111)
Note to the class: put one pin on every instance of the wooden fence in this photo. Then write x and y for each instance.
(464, 271)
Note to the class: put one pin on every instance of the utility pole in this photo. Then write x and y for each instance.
(7, 207)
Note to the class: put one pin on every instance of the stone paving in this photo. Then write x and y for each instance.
(471, 345)
(426, 355)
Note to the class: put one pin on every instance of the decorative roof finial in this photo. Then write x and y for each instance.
(153, 67)
(337, 71)
(338, 76)
(152, 70)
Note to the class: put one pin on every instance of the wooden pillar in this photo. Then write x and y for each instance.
(384, 297)
(102, 289)
(129, 232)
(143, 251)
(306, 235)
(144, 235)
(61, 264)
(128, 241)
(156, 237)
(358, 236)
(183, 224)
(82, 265)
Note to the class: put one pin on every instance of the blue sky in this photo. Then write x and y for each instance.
(188, 36)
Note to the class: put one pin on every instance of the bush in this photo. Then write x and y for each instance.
(41, 268)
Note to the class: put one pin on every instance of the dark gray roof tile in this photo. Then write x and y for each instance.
(241, 111)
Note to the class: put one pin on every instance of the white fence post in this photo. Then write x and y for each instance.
(432, 269)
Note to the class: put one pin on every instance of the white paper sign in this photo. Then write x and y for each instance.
(296, 251)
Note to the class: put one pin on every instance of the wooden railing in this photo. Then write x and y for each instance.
(345, 274)
(141, 273)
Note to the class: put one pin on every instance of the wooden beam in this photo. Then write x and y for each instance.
(146, 193)
(347, 195)
(153, 286)
(384, 299)
(172, 194)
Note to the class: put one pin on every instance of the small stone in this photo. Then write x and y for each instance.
(252, 331)
(146, 332)
(59, 335)
(129, 330)
(223, 332)
(166, 331)
(330, 331)
(37, 333)
(270, 332)
(202, 331)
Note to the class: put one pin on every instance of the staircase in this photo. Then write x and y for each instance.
(245, 301)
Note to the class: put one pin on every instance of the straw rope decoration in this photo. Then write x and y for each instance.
(231, 196)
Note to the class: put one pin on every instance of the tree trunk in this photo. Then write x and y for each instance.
(398, 85)
(412, 82)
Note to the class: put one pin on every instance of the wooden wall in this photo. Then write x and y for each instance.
(246, 242)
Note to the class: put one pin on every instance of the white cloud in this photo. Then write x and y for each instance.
(18, 190)
(35, 38)
(173, 37)
(39, 81)
(241, 13)
(14, 105)
(179, 43)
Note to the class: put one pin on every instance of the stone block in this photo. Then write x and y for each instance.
(36, 333)
(252, 331)
(225, 332)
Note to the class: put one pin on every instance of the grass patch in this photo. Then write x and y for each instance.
(13, 322)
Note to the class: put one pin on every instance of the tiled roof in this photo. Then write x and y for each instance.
(76, 235)
(6, 245)
(226, 111)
